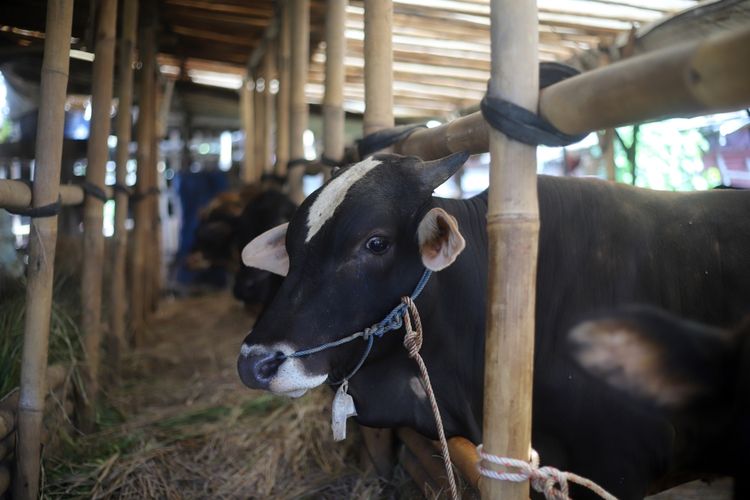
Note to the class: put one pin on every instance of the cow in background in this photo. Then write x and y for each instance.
(227, 224)
(694, 375)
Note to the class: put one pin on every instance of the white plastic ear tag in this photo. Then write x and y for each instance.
(343, 408)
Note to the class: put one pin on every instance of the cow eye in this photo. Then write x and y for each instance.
(377, 245)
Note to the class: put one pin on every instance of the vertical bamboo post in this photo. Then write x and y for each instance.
(269, 72)
(144, 133)
(378, 66)
(42, 243)
(260, 122)
(123, 125)
(282, 98)
(96, 170)
(247, 114)
(513, 230)
(153, 263)
(333, 100)
(298, 109)
(378, 116)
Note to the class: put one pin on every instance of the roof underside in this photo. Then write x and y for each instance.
(441, 48)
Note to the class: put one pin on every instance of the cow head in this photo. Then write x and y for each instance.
(351, 251)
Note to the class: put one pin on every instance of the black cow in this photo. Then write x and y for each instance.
(362, 241)
(228, 224)
(694, 375)
(267, 210)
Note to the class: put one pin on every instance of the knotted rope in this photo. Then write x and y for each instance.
(413, 343)
(551, 482)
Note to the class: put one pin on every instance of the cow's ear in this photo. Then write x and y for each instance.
(434, 173)
(268, 251)
(440, 241)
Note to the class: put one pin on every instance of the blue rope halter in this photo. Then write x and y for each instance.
(392, 321)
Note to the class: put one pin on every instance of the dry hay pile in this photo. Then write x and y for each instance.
(181, 426)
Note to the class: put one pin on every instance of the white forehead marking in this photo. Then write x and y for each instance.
(333, 194)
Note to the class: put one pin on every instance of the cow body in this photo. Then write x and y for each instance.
(601, 244)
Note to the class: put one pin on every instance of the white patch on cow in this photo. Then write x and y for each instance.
(415, 384)
(333, 194)
(291, 379)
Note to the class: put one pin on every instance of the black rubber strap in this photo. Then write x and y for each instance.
(281, 179)
(297, 162)
(330, 162)
(140, 196)
(50, 210)
(382, 139)
(91, 189)
(122, 188)
(522, 125)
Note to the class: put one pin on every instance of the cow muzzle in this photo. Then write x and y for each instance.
(269, 369)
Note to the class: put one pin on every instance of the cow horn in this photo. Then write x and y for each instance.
(435, 172)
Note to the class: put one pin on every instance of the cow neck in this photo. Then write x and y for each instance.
(392, 321)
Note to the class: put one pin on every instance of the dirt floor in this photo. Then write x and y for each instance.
(181, 426)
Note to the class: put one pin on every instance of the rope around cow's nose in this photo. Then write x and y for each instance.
(551, 482)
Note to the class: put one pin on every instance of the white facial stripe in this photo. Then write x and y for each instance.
(333, 194)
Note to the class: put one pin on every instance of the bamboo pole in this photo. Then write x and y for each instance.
(123, 125)
(247, 114)
(333, 99)
(513, 231)
(159, 127)
(697, 77)
(96, 170)
(379, 115)
(269, 71)
(378, 66)
(42, 243)
(144, 134)
(261, 133)
(282, 98)
(298, 110)
(17, 194)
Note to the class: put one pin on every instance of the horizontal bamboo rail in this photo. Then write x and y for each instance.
(694, 78)
(17, 194)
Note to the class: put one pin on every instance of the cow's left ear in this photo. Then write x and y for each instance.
(268, 251)
(440, 241)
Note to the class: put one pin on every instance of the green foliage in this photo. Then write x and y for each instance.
(667, 158)
(64, 341)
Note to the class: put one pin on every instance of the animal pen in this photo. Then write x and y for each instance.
(644, 75)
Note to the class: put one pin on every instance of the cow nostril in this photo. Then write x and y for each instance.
(267, 367)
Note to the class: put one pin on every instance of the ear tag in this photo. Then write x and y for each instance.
(343, 408)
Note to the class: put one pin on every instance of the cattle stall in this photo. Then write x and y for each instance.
(362, 69)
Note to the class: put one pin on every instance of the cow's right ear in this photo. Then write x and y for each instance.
(440, 241)
(268, 251)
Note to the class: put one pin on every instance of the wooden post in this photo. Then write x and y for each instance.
(269, 73)
(42, 243)
(144, 135)
(513, 231)
(261, 134)
(379, 115)
(247, 114)
(96, 170)
(123, 125)
(298, 109)
(282, 98)
(153, 262)
(378, 66)
(333, 100)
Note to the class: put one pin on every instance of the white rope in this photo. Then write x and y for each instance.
(553, 483)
